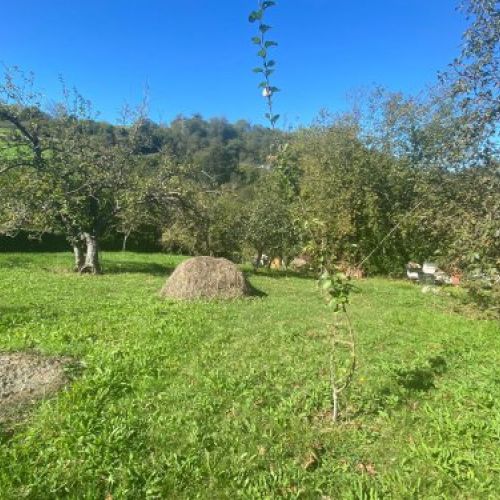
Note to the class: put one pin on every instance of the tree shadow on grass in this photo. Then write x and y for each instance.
(110, 267)
(271, 273)
(17, 315)
(13, 310)
(416, 379)
(15, 262)
(254, 292)
(405, 385)
(422, 378)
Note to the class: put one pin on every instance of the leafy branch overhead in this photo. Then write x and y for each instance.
(267, 67)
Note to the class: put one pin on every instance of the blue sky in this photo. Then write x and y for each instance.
(195, 55)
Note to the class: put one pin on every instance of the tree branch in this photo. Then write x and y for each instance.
(32, 138)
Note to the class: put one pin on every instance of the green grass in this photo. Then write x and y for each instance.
(226, 400)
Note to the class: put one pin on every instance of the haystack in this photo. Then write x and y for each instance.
(206, 278)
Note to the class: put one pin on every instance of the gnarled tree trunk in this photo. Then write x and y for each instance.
(79, 255)
(92, 264)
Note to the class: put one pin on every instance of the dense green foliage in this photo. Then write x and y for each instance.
(349, 188)
(225, 400)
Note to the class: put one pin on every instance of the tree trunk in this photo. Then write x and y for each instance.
(92, 264)
(258, 259)
(125, 238)
(79, 256)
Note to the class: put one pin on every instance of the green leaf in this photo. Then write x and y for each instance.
(270, 63)
(333, 303)
(268, 3)
(258, 70)
(257, 40)
(270, 43)
(262, 53)
(264, 27)
(326, 283)
(256, 15)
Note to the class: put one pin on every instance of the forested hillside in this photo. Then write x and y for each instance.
(211, 187)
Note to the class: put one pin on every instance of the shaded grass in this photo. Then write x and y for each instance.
(228, 399)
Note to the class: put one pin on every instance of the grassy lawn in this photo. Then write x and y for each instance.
(227, 400)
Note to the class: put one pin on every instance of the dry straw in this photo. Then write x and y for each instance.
(206, 278)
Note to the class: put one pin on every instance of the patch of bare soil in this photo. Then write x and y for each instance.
(26, 378)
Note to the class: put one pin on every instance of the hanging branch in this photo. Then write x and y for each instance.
(268, 65)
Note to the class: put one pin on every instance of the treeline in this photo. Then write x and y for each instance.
(392, 181)
(62, 172)
(397, 179)
(351, 193)
(146, 240)
(219, 151)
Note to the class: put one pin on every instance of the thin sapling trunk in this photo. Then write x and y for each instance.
(125, 238)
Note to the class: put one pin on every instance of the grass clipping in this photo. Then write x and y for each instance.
(206, 278)
(27, 378)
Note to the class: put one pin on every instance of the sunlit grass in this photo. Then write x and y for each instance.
(229, 399)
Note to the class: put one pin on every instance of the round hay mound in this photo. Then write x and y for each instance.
(206, 278)
(26, 378)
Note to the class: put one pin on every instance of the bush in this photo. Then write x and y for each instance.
(485, 295)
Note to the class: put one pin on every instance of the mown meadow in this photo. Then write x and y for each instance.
(231, 399)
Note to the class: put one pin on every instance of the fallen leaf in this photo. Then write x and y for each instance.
(366, 468)
(310, 462)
